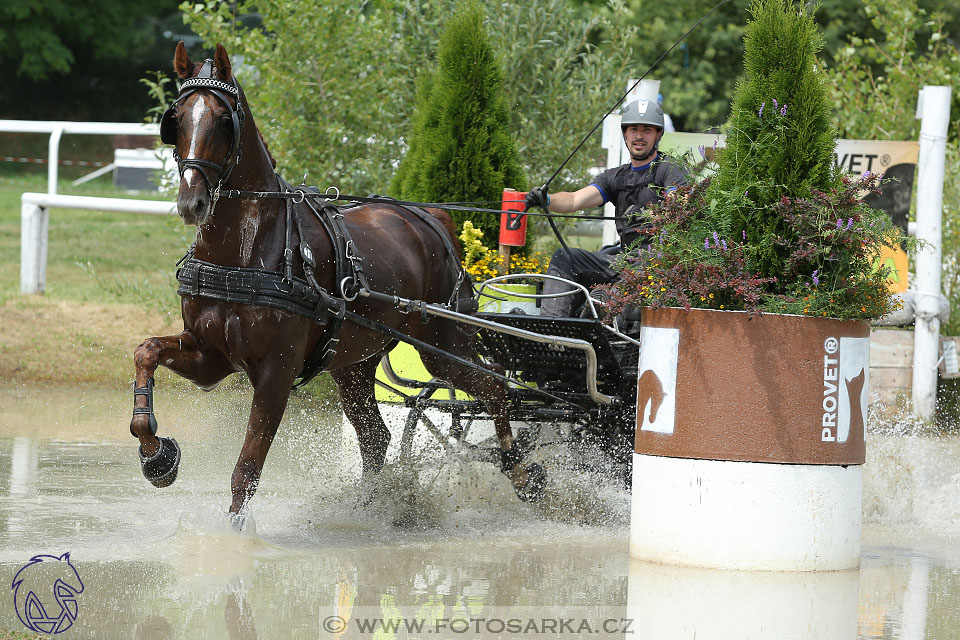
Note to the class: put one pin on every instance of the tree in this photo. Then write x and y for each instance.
(80, 60)
(462, 149)
(876, 81)
(781, 134)
(334, 84)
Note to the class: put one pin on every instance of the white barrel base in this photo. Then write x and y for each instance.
(746, 515)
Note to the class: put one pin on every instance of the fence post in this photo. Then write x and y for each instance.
(34, 225)
(53, 158)
(934, 110)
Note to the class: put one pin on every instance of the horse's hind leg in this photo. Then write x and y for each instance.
(356, 384)
(528, 480)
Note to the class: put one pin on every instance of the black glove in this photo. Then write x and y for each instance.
(536, 197)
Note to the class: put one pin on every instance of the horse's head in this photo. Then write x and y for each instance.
(205, 124)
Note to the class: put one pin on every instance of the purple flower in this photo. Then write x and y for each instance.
(783, 110)
(716, 239)
(724, 242)
(774, 104)
(849, 223)
(762, 105)
(839, 223)
(706, 243)
(703, 152)
(746, 193)
(715, 141)
(816, 280)
(866, 174)
(744, 235)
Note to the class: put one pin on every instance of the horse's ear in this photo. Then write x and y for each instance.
(222, 62)
(181, 61)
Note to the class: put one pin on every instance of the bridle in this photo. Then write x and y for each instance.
(169, 130)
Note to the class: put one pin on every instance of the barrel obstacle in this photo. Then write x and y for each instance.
(750, 441)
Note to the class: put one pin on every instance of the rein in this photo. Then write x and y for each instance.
(299, 195)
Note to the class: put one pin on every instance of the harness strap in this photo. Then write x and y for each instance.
(256, 286)
(429, 348)
(147, 410)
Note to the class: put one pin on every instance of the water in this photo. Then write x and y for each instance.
(446, 542)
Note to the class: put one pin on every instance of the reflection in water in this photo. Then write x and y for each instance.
(914, 622)
(445, 539)
(687, 602)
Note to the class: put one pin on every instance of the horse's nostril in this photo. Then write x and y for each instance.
(200, 209)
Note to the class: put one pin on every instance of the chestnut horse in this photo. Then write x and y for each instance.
(400, 251)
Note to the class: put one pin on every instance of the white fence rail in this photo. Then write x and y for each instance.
(56, 129)
(35, 225)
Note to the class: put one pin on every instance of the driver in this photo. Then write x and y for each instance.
(647, 178)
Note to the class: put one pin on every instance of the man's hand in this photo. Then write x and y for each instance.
(536, 197)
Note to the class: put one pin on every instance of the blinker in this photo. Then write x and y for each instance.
(168, 127)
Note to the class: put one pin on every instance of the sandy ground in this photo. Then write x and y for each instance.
(48, 341)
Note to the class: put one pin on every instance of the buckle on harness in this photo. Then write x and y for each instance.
(348, 289)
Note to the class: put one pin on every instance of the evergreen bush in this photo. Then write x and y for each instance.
(461, 148)
(781, 134)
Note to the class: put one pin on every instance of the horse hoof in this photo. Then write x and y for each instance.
(237, 522)
(532, 489)
(161, 468)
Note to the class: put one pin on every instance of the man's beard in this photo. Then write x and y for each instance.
(645, 156)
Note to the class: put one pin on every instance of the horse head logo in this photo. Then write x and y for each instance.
(45, 594)
(855, 393)
(649, 389)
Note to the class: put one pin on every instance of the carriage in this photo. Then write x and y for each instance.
(575, 382)
(282, 283)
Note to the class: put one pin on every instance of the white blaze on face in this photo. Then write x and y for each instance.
(196, 116)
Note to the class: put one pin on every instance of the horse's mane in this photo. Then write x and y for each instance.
(266, 148)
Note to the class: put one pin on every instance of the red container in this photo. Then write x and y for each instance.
(513, 226)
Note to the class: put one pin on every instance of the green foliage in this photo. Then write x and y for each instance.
(462, 149)
(333, 85)
(781, 136)
(698, 77)
(40, 39)
(322, 82)
(81, 57)
(877, 79)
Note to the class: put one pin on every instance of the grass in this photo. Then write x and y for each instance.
(110, 284)
(18, 635)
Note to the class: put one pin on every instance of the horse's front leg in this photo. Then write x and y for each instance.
(271, 391)
(185, 356)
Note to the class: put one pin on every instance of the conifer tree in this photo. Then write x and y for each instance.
(461, 149)
(781, 135)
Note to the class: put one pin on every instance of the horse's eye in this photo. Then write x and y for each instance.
(226, 123)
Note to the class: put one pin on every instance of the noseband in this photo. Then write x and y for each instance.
(169, 130)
